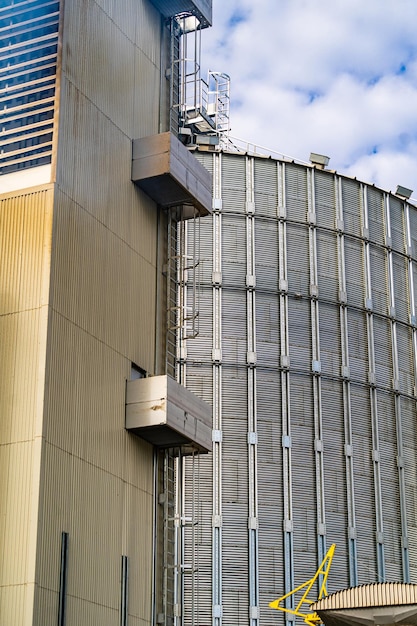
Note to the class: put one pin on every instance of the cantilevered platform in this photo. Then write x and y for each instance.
(378, 604)
(170, 174)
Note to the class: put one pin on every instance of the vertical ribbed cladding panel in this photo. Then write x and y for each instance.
(98, 479)
(364, 483)
(81, 287)
(327, 265)
(266, 260)
(197, 601)
(299, 324)
(235, 496)
(270, 477)
(325, 199)
(234, 250)
(383, 354)
(25, 242)
(358, 349)
(379, 279)
(355, 279)
(410, 475)
(234, 327)
(303, 475)
(413, 230)
(233, 190)
(401, 291)
(267, 330)
(297, 259)
(330, 346)
(296, 192)
(352, 207)
(97, 42)
(376, 215)
(389, 484)
(414, 281)
(335, 477)
(206, 249)
(398, 226)
(265, 178)
(405, 359)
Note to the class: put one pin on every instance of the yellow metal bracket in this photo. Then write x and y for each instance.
(312, 619)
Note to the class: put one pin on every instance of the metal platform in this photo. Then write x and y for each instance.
(168, 415)
(202, 9)
(170, 174)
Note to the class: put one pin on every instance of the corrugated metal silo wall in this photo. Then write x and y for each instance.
(307, 351)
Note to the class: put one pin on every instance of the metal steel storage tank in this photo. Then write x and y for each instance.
(307, 351)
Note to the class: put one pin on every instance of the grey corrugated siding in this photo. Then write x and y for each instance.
(340, 407)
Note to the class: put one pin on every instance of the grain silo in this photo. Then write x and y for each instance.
(307, 352)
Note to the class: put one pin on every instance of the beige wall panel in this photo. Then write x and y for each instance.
(139, 20)
(45, 608)
(147, 82)
(138, 544)
(105, 518)
(85, 405)
(16, 465)
(86, 397)
(98, 58)
(80, 611)
(13, 606)
(107, 192)
(123, 16)
(90, 262)
(20, 464)
(138, 470)
(148, 29)
(23, 343)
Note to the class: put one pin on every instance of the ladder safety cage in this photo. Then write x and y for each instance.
(201, 106)
(183, 284)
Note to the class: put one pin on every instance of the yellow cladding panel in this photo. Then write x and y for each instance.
(25, 240)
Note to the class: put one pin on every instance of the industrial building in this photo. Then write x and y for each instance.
(209, 357)
(84, 533)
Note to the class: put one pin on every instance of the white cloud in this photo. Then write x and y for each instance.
(338, 78)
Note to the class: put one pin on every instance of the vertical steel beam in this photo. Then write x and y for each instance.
(413, 318)
(289, 581)
(124, 597)
(345, 374)
(372, 392)
(251, 391)
(217, 396)
(62, 598)
(397, 399)
(316, 370)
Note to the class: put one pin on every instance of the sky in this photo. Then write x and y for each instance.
(335, 77)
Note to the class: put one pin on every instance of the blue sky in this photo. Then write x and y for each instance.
(338, 78)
